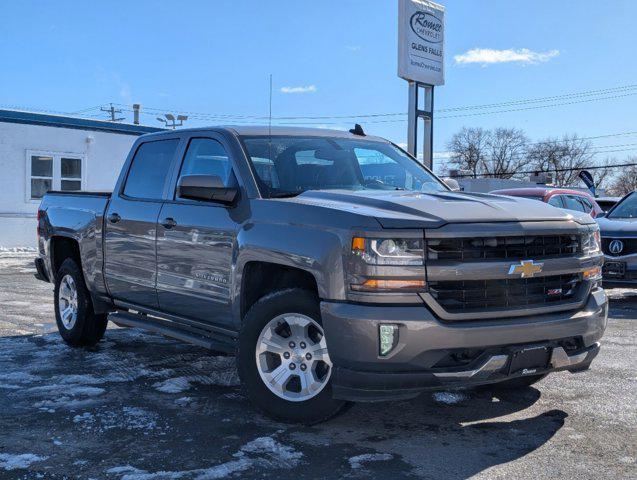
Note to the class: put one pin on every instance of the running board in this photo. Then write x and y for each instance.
(170, 329)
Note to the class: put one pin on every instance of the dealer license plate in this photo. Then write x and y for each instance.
(530, 360)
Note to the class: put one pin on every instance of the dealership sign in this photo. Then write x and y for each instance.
(421, 38)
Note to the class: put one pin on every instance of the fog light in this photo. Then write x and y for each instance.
(388, 335)
(594, 273)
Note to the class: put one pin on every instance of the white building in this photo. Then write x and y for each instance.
(40, 152)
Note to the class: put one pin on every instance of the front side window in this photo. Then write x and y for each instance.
(53, 171)
(149, 170)
(627, 208)
(292, 165)
(206, 157)
(556, 201)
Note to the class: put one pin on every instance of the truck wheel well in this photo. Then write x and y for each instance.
(63, 248)
(262, 278)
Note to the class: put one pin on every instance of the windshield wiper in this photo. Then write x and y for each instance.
(286, 194)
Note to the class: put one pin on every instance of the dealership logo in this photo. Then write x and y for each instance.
(616, 247)
(426, 26)
(526, 268)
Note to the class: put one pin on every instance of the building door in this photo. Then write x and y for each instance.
(130, 237)
(195, 241)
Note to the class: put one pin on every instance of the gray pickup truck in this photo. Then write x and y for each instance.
(334, 265)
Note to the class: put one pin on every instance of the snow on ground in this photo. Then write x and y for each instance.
(128, 418)
(263, 453)
(17, 249)
(449, 398)
(358, 461)
(16, 462)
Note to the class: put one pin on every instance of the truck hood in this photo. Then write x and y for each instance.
(408, 209)
(614, 227)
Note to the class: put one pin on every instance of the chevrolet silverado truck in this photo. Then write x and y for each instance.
(334, 265)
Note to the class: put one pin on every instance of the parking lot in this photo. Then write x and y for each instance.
(140, 407)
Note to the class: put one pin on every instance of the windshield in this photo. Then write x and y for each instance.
(626, 209)
(287, 166)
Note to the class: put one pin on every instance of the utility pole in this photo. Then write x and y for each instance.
(112, 111)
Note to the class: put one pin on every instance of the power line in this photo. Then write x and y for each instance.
(604, 93)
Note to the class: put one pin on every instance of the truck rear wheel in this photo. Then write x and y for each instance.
(283, 360)
(77, 322)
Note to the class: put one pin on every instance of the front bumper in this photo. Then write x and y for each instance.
(425, 343)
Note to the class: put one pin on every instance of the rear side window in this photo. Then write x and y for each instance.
(149, 170)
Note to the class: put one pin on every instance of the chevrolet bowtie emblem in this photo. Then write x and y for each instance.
(526, 268)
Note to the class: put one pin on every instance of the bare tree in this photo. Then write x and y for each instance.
(468, 149)
(626, 181)
(505, 152)
(564, 158)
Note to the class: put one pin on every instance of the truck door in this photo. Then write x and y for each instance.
(195, 241)
(131, 224)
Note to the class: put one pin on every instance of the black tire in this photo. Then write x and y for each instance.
(89, 327)
(519, 382)
(315, 410)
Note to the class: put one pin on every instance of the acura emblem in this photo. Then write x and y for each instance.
(616, 247)
(526, 268)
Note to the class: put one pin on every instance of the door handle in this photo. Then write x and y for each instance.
(114, 218)
(168, 223)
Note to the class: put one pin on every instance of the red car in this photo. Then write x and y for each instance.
(558, 197)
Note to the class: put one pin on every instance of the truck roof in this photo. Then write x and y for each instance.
(263, 130)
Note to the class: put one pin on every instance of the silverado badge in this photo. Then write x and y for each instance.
(526, 268)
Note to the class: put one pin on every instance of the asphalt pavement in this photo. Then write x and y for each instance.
(142, 407)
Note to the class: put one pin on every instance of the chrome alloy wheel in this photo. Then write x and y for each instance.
(67, 302)
(292, 357)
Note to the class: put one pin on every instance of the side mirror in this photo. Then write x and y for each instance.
(601, 215)
(452, 183)
(208, 188)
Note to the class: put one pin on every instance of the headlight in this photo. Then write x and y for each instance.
(389, 251)
(591, 243)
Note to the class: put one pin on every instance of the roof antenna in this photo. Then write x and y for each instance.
(357, 130)
(270, 124)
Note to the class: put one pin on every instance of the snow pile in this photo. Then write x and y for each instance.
(449, 398)
(357, 461)
(15, 462)
(261, 453)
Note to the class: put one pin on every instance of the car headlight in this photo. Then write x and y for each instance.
(389, 251)
(591, 243)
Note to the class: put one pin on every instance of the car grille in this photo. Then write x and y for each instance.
(630, 246)
(516, 247)
(480, 295)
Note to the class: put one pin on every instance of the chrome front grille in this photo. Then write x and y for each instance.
(470, 296)
(503, 247)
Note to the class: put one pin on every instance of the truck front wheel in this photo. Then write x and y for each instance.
(77, 322)
(283, 360)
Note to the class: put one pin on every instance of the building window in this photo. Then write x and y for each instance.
(53, 171)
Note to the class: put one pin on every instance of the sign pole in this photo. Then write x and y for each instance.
(421, 28)
(414, 114)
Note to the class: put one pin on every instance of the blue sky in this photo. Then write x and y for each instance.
(337, 57)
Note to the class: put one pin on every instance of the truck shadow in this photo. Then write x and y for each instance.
(453, 441)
